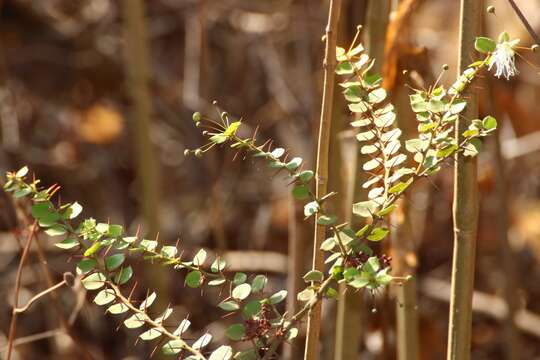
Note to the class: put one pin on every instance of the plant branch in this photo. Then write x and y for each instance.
(39, 295)
(314, 320)
(524, 21)
(13, 323)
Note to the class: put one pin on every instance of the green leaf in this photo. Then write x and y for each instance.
(328, 244)
(92, 249)
(229, 305)
(114, 261)
(377, 95)
(350, 273)
(313, 275)
(169, 251)
(359, 107)
(306, 176)
(344, 68)
(194, 279)
(150, 334)
(471, 133)
(217, 282)
(372, 164)
(365, 208)
(123, 276)
(117, 309)
(383, 278)
(172, 347)
(41, 209)
(73, 210)
(148, 245)
(447, 151)
(68, 243)
(22, 172)
(148, 301)
(327, 220)
(489, 123)
(378, 234)
(387, 210)
(22, 192)
(331, 293)
(372, 265)
(457, 107)
(161, 318)
(85, 266)
(199, 258)
(94, 281)
(353, 93)
(252, 308)
(305, 295)
(241, 291)
(278, 297)
(362, 231)
(400, 186)
(277, 153)
(236, 332)
(485, 45)
(435, 106)
(472, 147)
(360, 281)
(221, 353)
(218, 265)
(294, 163)
(239, 278)
(134, 321)
(102, 228)
(49, 219)
(300, 192)
(258, 283)
(202, 341)
(56, 230)
(311, 208)
(250, 354)
(182, 328)
(105, 297)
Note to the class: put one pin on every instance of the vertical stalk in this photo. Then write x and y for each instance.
(512, 341)
(295, 267)
(349, 307)
(138, 73)
(465, 204)
(405, 292)
(314, 317)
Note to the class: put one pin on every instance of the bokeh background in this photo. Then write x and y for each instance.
(72, 109)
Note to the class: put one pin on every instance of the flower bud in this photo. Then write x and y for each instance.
(197, 117)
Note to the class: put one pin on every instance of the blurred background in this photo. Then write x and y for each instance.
(97, 96)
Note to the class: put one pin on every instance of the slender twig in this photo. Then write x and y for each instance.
(37, 296)
(310, 305)
(156, 325)
(13, 323)
(524, 21)
(314, 320)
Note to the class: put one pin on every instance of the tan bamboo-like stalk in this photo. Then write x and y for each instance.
(314, 317)
(465, 204)
(512, 341)
(405, 292)
(137, 58)
(349, 307)
(295, 268)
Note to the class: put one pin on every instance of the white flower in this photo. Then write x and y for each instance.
(503, 59)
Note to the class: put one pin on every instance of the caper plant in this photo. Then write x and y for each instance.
(261, 323)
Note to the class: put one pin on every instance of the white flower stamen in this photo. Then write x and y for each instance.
(503, 59)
